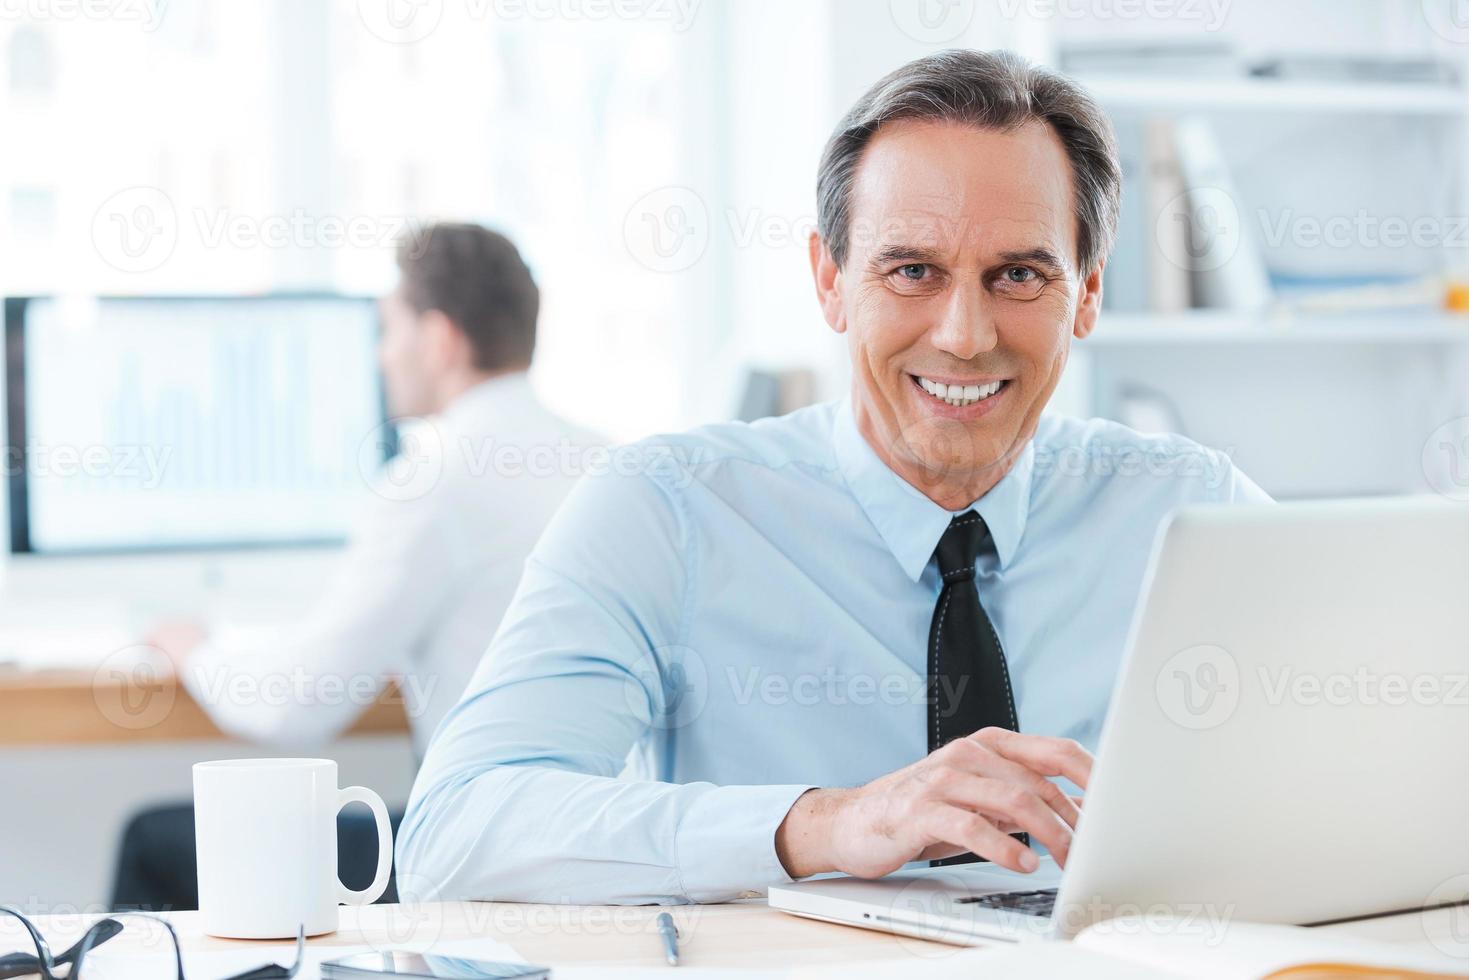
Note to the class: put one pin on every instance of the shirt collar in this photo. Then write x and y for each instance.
(910, 523)
(491, 397)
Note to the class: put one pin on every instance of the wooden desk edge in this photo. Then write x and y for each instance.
(76, 707)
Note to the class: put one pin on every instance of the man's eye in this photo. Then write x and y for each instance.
(1021, 282)
(913, 272)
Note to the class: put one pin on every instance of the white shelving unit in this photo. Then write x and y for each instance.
(1208, 327)
(1309, 404)
(1148, 93)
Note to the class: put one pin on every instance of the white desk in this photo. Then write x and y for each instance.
(742, 935)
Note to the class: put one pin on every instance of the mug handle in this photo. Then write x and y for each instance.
(374, 891)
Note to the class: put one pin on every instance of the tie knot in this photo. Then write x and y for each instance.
(960, 545)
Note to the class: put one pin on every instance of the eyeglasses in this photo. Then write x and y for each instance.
(67, 965)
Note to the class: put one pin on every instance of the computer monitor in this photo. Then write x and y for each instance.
(156, 423)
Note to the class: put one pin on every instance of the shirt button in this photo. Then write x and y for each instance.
(748, 894)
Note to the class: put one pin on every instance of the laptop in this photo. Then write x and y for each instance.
(1284, 743)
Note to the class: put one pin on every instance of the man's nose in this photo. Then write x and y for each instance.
(967, 325)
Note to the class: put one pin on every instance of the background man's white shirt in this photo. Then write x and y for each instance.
(422, 585)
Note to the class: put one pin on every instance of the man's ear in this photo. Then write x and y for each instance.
(1090, 305)
(444, 344)
(828, 276)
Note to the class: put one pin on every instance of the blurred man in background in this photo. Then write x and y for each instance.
(432, 566)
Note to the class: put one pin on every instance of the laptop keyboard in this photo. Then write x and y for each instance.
(1039, 902)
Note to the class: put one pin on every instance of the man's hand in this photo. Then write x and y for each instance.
(969, 795)
(177, 639)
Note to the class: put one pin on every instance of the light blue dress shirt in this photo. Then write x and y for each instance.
(731, 616)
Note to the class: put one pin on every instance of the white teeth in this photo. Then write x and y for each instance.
(959, 395)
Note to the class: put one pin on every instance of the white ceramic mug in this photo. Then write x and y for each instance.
(266, 832)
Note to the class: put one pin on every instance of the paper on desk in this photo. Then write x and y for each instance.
(214, 964)
(1028, 961)
(1162, 949)
(674, 973)
(1249, 949)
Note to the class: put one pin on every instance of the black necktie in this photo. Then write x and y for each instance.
(968, 681)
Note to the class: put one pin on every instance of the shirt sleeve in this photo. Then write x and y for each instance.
(304, 683)
(519, 797)
(1240, 489)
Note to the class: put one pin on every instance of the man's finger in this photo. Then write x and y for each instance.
(1009, 803)
(973, 755)
(1040, 753)
(967, 831)
(984, 762)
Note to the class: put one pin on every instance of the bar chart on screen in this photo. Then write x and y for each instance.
(196, 421)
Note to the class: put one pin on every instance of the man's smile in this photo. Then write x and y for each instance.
(959, 398)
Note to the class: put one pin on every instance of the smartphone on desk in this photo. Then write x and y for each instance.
(426, 966)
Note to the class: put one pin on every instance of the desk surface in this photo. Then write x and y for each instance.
(744, 934)
(70, 707)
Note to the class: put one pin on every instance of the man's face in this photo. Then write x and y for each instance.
(960, 272)
(402, 352)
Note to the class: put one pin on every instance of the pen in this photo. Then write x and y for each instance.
(670, 937)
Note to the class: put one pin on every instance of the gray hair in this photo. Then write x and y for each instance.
(989, 90)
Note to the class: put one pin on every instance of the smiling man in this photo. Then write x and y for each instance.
(866, 633)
